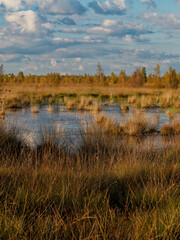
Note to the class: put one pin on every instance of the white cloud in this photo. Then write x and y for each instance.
(77, 59)
(47, 25)
(118, 29)
(80, 68)
(60, 6)
(47, 6)
(120, 4)
(169, 21)
(25, 21)
(85, 39)
(11, 4)
(109, 23)
(110, 7)
(53, 62)
(128, 38)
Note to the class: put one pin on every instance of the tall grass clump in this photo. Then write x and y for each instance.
(171, 129)
(138, 124)
(103, 190)
(148, 101)
(12, 148)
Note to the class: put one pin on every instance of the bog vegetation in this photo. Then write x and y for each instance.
(103, 190)
(104, 187)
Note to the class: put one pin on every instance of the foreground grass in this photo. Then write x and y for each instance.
(104, 190)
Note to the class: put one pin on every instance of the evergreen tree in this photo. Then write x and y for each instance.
(99, 71)
(20, 77)
(173, 81)
(1, 69)
(143, 72)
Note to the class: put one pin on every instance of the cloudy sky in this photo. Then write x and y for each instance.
(71, 36)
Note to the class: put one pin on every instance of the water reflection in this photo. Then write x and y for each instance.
(71, 122)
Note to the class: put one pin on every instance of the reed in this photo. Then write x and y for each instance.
(104, 190)
(34, 109)
(171, 129)
(133, 99)
(148, 102)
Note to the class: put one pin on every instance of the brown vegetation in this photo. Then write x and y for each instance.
(103, 190)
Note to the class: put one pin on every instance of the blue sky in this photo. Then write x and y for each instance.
(72, 36)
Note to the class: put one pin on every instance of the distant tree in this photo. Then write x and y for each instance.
(157, 80)
(157, 70)
(178, 77)
(57, 78)
(137, 79)
(1, 74)
(143, 72)
(20, 77)
(122, 78)
(1, 69)
(172, 78)
(99, 70)
(150, 78)
(113, 78)
(102, 80)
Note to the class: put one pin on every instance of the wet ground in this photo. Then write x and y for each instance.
(71, 122)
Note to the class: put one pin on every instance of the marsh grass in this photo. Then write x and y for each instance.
(171, 129)
(34, 109)
(103, 190)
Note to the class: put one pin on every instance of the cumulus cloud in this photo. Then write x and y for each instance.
(28, 22)
(114, 28)
(47, 6)
(111, 7)
(53, 62)
(169, 21)
(11, 4)
(25, 21)
(150, 3)
(151, 54)
(64, 7)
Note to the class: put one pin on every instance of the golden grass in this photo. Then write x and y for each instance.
(171, 129)
(105, 190)
(124, 107)
(20, 89)
(34, 109)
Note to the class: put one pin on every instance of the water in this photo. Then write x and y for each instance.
(71, 122)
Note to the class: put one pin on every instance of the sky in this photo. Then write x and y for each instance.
(72, 36)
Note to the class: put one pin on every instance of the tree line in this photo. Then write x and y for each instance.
(139, 78)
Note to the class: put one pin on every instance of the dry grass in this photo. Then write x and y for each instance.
(148, 102)
(135, 127)
(171, 129)
(133, 99)
(34, 109)
(19, 90)
(50, 109)
(124, 107)
(104, 190)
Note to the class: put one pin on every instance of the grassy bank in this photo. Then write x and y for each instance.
(39, 90)
(104, 190)
(20, 95)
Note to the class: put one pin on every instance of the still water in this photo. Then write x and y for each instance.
(71, 122)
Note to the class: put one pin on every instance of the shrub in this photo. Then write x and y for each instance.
(137, 79)
(167, 130)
